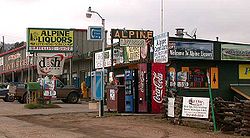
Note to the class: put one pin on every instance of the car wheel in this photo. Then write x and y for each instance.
(9, 98)
(64, 100)
(73, 98)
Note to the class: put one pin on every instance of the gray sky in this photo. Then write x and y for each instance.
(227, 19)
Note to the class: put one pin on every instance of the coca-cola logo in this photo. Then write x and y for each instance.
(158, 84)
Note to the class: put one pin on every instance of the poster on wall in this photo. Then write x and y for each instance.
(99, 61)
(50, 63)
(161, 48)
(195, 107)
(171, 107)
(158, 86)
(142, 80)
(182, 79)
(131, 54)
(172, 77)
(191, 50)
(214, 75)
(118, 55)
(244, 71)
(235, 52)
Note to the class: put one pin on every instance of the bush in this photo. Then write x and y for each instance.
(40, 106)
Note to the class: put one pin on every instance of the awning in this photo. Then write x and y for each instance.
(242, 89)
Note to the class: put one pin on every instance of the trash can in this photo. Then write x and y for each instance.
(116, 98)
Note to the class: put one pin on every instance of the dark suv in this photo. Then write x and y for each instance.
(4, 93)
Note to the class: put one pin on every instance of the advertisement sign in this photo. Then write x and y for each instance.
(50, 63)
(1, 61)
(182, 79)
(171, 107)
(158, 86)
(49, 87)
(131, 54)
(235, 52)
(191, 50)
(99, 61)
(172, 77)
(244, 71)
(131, 34)
(50, 40)
(95, 33)
(118, 55)
(161, 48)
(133, 42)
(195, 107)
(214, 78)
(142, 82)
(14, 56)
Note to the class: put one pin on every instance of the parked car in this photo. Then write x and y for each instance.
(65, 93)
(4, 93)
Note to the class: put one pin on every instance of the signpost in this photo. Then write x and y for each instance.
(95, 33)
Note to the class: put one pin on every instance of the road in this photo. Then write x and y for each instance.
(77, 121)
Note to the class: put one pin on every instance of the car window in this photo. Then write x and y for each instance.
(59, 83)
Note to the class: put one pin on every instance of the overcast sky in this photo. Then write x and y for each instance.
(227, 19)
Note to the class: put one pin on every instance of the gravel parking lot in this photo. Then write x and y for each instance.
(77, 121)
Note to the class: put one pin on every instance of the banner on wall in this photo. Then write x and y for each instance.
(171, 107)
(235, 52)
(244, 71)
(196, 107)
(161, 48)
(191, 50)
(50, 63)
(158, 86)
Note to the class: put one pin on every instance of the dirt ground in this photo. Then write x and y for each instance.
(116, 126)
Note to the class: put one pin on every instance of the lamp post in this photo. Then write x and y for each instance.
(88, 15)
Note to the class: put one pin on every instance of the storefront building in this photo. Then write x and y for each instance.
(15, 63)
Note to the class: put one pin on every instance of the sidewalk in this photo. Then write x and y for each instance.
(15, 108)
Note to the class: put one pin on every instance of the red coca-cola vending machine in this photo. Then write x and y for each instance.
(142, 88)
(158, 78)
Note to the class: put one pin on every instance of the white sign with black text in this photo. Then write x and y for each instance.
(171, 107)
(99, 61)
(196, 107)
(161, 48)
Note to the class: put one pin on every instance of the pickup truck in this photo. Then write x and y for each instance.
(65, 93)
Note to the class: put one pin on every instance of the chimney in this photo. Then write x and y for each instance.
(179, 32)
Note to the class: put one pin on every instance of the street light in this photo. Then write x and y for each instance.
(88, 15)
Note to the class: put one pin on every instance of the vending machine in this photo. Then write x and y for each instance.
(129, 102)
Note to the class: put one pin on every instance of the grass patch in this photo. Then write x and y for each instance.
(41, 106)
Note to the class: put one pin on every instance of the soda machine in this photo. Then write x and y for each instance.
(129, 104)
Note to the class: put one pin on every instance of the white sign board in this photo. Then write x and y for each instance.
(195, 107)
(171, 107)
(99, 61)
(50, 63)
(161, 48)
(1, 61)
